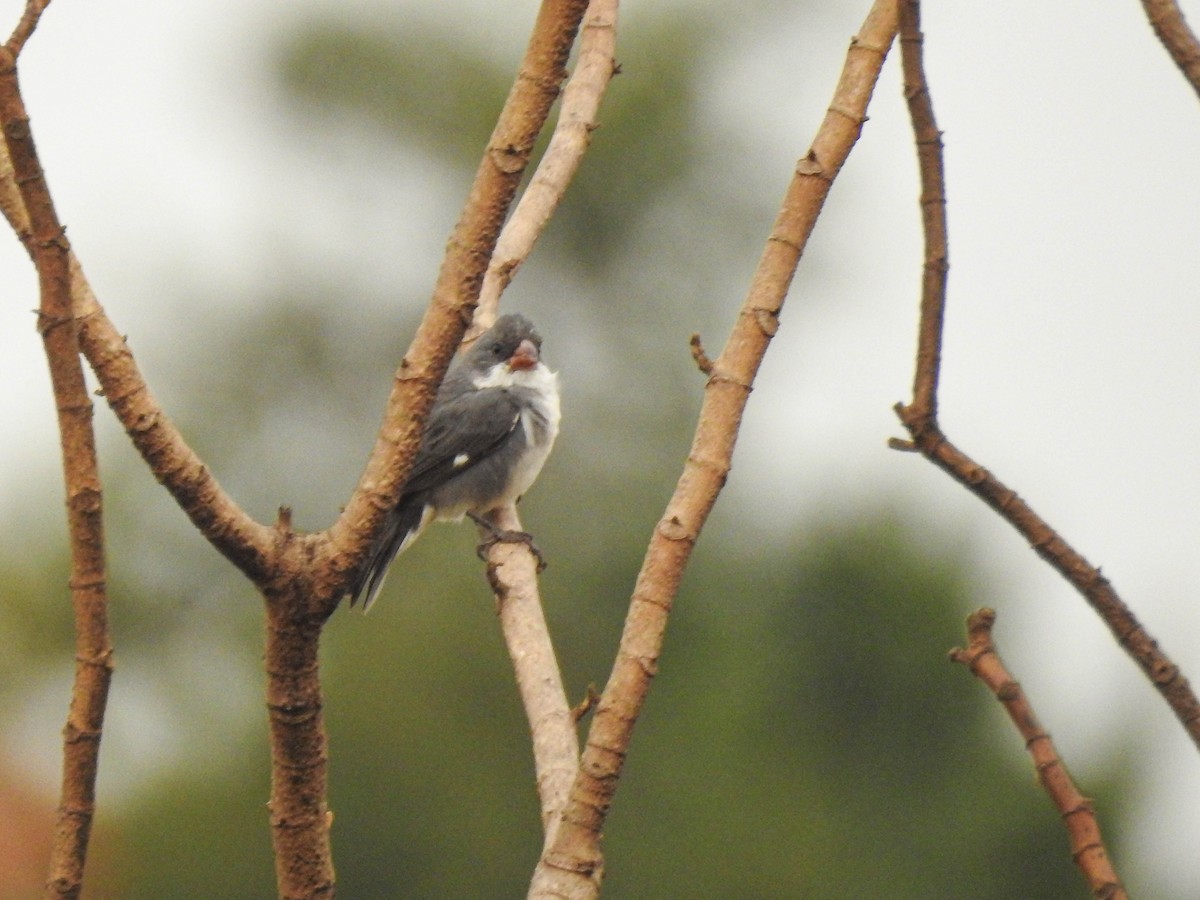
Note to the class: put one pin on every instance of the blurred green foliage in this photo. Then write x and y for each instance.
(806, 736)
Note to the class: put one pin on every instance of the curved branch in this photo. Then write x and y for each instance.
(572, 866)
(577, 120)
(1078, 815)
(927, 437)
(1172, 29)
(46, 241)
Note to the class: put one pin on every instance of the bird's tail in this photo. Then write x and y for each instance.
(404, 523)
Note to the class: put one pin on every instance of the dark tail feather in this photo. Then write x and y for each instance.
(403, 524)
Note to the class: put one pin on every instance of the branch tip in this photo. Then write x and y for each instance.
(590, 698)
(703, 363)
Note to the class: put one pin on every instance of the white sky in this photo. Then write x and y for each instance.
(1071, 363)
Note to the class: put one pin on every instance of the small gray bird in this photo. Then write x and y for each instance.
(490, 430)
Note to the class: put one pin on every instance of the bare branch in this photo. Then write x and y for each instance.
(45, 238)
(572, 136)
(246, 543)
(456, 292)
(25, 27)
(237, 536)
(571, 868)
(933, 213)
(1078, 814)
(927, 437)
(1172, 29)
(512, 573)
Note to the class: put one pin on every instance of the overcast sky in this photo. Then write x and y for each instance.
(1071, 361)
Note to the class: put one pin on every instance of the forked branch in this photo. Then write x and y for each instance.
(300, 576)
(572, 866)
(920, 417)
(1078, 815)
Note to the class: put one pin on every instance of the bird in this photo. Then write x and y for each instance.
(492, 426)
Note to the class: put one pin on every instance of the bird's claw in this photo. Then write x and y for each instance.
(507, 536)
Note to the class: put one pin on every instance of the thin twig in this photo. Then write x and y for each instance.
(45, 238)
(933, 213)
(1172, 29)
(572, 136)
(572, 866)
(1078, 814)
(927, 437)
(25, 27)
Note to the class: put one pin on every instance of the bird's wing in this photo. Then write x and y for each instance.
(462, 431)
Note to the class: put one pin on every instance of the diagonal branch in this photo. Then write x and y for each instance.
(25, 26)
(1172, 29)
(456, 292)
(927, 437)
(572, 866)
(1078, 814)
(577, 120)
(177, 467)
(45, 238)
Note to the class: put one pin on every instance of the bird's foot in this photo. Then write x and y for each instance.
(505, 536)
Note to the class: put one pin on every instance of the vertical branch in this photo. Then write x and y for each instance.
(1078, 815)
(512, 574)
(47, 243)
(572, 866)
(1172, 29)
(933, 213)
(299, 807)
(928, 439)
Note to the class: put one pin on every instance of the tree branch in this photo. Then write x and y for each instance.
(1172, 29)
(456, 292)
(571, 867)
(45, 239)
(577, 120)
(1078, 814)
(512, 573)
(25, 27)
(927, 437)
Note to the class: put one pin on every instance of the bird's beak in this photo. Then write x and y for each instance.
(524, 357)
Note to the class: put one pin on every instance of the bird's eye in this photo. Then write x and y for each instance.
(497, 349)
